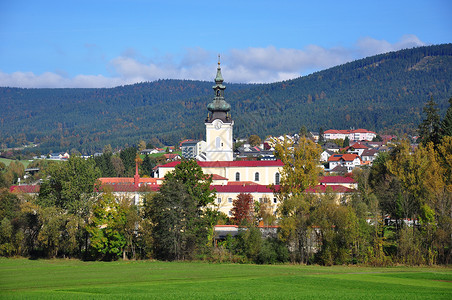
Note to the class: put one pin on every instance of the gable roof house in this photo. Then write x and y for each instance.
(325, 155)
(356, 148)
(369, 155)
(350, 161)
(331, 147)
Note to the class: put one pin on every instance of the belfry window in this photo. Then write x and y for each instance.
(237, 176)
(218, 142)
(277, 178)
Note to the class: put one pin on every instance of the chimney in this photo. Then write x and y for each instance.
(136, 178)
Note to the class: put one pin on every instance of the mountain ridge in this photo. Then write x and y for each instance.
(385, 92)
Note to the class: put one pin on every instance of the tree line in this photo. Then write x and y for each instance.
(401, 214)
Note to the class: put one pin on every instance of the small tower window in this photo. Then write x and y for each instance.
(237, 176)
(277, 178)
(218, 142)
(256, 176)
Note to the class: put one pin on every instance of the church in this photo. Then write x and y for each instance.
(215, 157)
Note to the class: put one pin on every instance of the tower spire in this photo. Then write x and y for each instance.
(219, 107)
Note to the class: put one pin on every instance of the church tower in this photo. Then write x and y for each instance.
(219, 124)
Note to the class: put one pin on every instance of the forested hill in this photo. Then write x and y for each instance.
(385, 93)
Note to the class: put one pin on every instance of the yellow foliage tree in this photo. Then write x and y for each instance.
(299, 172)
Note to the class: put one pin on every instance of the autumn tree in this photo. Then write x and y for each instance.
(299, 172)
(141, 145)
(424, 175)
(242, 210)
(254, 140)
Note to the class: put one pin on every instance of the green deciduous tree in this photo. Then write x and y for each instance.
(72, 186)
(106, 228)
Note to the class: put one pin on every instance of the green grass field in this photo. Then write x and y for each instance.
(8, 161)
(67, 279)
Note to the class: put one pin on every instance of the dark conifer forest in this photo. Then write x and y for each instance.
(385, 93)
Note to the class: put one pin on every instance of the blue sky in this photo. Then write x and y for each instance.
(109, 43)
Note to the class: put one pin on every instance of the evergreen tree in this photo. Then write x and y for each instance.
(430, 128)
(182, 222)
(446, 124)
(321, 136)
(128, 156)
(346, 142)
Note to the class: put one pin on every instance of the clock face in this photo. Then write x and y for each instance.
(217, 125)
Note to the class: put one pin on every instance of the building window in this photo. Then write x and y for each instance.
(230, 213)
(277, 178)
(275, 200)
(230, 200)
(256, 176)
(218, 142)
(219, 200)
(237, 176)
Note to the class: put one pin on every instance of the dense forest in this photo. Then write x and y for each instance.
(385, 93)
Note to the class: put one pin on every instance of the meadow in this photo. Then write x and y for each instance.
(74, 279)
(8, 161)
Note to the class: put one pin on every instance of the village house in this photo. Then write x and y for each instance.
(350, 161)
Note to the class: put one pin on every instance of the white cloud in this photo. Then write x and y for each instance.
(250, 65)
(368, 46)
(53, 80)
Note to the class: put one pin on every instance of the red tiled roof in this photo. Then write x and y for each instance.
(359, 146)
(330, 188)
(225, 164)
(345, 157)
(345, 131)
(242, 183)
(125, 180)
(336, 179)
(241, 188)
(29, 189)
(130, 188)
(218, 177)
(361, 130)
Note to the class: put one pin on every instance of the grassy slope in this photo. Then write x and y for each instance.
(8, 161)
(58, 279)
